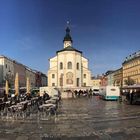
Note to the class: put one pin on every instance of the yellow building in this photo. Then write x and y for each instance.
(96, 82)
(118, 77)
(131, 69)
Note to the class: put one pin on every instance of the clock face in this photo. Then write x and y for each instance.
(68, 44)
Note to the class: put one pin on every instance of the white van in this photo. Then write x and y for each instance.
(95, 90)
(109, 92)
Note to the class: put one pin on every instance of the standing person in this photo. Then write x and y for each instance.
(5, 97)
(128, 97)
(120, 98)
(75, 92)
(79, 93)
(131, 98)
(90, 93)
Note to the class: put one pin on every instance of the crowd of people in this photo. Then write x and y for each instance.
(83, 93)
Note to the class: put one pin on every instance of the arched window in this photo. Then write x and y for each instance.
(69, 66)
(77, 66)
(61, 65)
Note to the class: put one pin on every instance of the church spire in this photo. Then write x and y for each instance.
(67, 36)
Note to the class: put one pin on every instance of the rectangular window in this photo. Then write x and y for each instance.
(53, 84)
(84, 75)
(84, 84)
(53, 75)
(77, 66)
(77, 82)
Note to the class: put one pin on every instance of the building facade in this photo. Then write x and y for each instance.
(118, 77)
(104, 81)
(6, 71)
(31, 75)
(96, 82)
(131, 69)
(44, 80)
(109, 77)
(9, 68)
(69, 69)
(21, 70)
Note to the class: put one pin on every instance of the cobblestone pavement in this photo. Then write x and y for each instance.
(78, 119)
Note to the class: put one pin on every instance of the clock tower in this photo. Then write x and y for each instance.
(68, 69)
(67, 39)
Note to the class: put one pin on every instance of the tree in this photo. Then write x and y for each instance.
(129, 81)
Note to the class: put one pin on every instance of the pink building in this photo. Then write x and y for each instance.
(21, 70)
(103, 80)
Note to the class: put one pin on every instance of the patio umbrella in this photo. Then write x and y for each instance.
(28, 86)
(6, 88)
(16, 85)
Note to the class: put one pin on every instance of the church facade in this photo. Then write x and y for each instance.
(69, 69)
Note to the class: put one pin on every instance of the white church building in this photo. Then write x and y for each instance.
(69, 69)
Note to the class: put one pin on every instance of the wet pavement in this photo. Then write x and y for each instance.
(77, 119)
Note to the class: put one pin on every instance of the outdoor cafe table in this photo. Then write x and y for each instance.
(16, 107)
(7, 103)
(55, 98)
(23, 102)
(47, 106)
(34, 99)
(50, 101)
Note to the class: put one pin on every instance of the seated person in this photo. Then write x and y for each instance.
(46, 96)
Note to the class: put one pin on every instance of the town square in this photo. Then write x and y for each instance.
(69, 70)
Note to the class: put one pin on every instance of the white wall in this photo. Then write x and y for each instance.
(65, 57)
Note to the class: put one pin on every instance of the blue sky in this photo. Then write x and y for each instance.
(107, 31)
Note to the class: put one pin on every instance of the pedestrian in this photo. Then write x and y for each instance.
(90, 93)
(131, 97)
(5, 97)
(120, 99)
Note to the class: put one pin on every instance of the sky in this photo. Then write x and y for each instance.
(106, 31)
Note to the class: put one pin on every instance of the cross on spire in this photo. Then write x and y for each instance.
(68, 23)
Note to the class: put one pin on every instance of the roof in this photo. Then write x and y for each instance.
(132, 57)
(69, 48)
(67, 36)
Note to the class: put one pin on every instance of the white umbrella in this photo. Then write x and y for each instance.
(16, 85)
(6, 88)
(28, 86)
